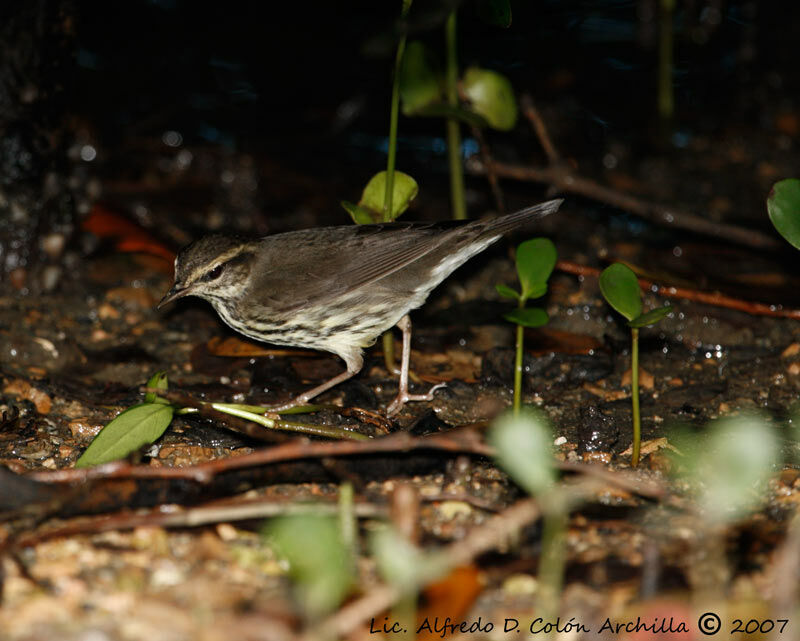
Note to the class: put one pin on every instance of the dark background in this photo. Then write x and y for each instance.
(271, 77)
(293, 99)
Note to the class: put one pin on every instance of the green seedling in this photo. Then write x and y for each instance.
(388, 193)
(490, 95)
(523, 444)
(370, 209)
(408, 568)
(727, 467)
(621, 290)
(728, 464)
(535, 260)
(321, 563)
(480, 98)
(783, 206)
(144, 423)
(134, 428)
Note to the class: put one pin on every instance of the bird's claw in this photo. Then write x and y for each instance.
(404, 397)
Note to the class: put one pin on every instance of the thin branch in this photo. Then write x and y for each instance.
(462, 441)
(540, 129)
(491, 175)
(214, 512)
(708, 298)
(566, 181)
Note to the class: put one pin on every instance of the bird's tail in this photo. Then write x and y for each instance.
(506, 223)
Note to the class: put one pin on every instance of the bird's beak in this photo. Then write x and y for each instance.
(176, 292)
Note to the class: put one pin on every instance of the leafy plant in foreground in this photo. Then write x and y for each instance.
(621, 290)
(524, 442)
(726, 466)
(137, 426)
(320, 561)
(535, 260)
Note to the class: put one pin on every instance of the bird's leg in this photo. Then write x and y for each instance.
(402, 393)
(353, 368)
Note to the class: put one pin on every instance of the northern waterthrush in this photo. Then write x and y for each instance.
(334, 289)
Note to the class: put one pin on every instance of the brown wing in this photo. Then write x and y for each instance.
(320, 264)
(305, 266)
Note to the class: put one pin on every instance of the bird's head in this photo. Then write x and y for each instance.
(214, 268)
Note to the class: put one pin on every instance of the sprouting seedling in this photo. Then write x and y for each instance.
(523, 444)
(536, 259)
(320, 559)
(783, 206)
(621, 290)
(137, 426)
(388, 193)
(370, 209)
(727, 467)
(144, 423)
(479, 98)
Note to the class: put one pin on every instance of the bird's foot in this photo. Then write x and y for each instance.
(404, 397)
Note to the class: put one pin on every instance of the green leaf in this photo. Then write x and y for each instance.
(442, 110)
(621, 289)
(137, 426)
(536, 259)
(360, 215)
(491, 96)
(157, 381)
(651, 317)
(505, 290)
(730, 464)
(528, 317)
(783, 207)
(403, 564)
(419, 81)
(524, 446)
(319, 562)
(404, 191)
(495, 12)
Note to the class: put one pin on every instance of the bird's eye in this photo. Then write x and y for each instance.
(215, 273)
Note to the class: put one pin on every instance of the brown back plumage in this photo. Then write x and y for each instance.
(318, 265)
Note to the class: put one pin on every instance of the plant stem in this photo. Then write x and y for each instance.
(518, 370)
(637, 426)
(280, 424)
(394, 112)
(551, 564)
(388, 339)
(348, 525)
(388, 351)
(666, 100)
(453, 133)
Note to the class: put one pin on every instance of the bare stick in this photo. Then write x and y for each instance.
(568, 182)
(534, 117)
(491, 175)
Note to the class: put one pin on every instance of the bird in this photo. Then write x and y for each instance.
(335, 289)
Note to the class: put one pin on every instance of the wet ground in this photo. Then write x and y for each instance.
(133, 557)
(74, 358)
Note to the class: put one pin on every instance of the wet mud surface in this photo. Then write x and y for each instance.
(134, 557)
